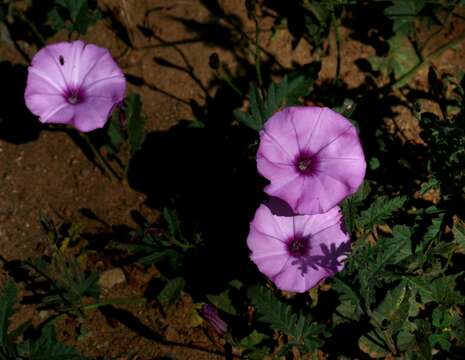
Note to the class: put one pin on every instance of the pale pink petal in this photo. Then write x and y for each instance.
(266, 223)
(89, 117)
(74, 83)
(312, 157)
(279, 129)
(288, 189)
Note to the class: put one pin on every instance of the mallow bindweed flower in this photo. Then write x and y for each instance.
(297, 252)
(74, 83)
(209, 313)
(312, 157)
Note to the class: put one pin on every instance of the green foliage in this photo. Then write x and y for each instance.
(126, 130)
(302, 331)
(46, 347)
(154, 245)
(172, 290)
(287, 92)
(61, 281)
(26, 342)
(380, 211)
(404, 14)
(7, 301)
(73, 15)
(136, 120)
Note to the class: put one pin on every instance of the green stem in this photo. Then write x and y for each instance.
(99, 158)
(229, 82)
(114, 302)
(31, 25)
(404, 79)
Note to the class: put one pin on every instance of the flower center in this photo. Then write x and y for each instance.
(74, 96)
(305, 163)
(298, 246)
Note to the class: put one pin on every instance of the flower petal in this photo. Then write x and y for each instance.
(279, 130)
(266, 223)
(288, 189)
(88, 116)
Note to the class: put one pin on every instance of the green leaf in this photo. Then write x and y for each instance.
(403, 14)
(397, 248)
(55, 19)
(440, 290)
(373, 345)
(172, 290)
(394, 309)
(252, 340)
(248, 120)
(223, 302)
(349, 307)
(380, 211)
(115, 132)
(285, 93)
(351, 204)
(7, 301)
(402, 55)
(73, 15)
(46, 347)
(302, 330)
(135, 122)
(440, 339)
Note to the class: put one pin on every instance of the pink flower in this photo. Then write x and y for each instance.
(312, 157)
(297, 252)
(74, 83)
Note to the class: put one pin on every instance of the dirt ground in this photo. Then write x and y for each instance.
(44, 172)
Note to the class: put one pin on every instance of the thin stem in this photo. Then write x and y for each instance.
(31, 25)
(446, 21)
(99, 158)
(228, 81)
(404, 79)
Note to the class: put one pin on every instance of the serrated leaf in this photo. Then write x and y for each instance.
(434, 230)
(396, 248)
(349, 206)
(380, 211)
(440, 290)
(172, 290)
(285, 93)
(303, 332)
(247, 120)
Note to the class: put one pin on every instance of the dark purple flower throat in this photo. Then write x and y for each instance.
(74, 96)
(305, 163)
(298, 246)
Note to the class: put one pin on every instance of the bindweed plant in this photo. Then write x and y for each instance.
(27, 341)
(296, 223)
